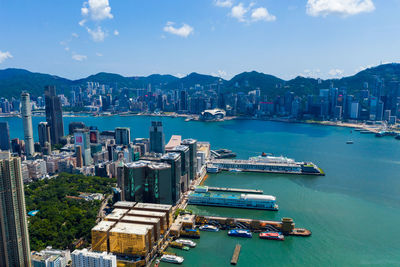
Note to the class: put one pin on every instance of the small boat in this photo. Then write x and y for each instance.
(172, 259)
(272, 236)
(209, 228)
(350, 142)
(235, 170)
(240, 233)
(186, 242)
(157, 263)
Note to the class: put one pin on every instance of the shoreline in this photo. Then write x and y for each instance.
(191, 117)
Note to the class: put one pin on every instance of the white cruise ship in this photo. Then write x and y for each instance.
(172, 259)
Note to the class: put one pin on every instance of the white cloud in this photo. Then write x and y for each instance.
(336, 72)
(341, 7)
(180, 75)
(116, 32)
(97, 35)
(97, 10)
(78, 57)
(315, 73)
(82, 22)
(99, 54)
(4, 56)
(262, 13)
(239, 11)
(75, 35)
(220, 73)
(223, 3)
(183, 31)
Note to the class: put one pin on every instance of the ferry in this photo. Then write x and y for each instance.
(212, 169)
(209, 228)
(271, 164)
(350, 142)
(235, 170)
(240, 233)
(172, 259)
(186, 242)
(246, 201)
(157, 263)
(272, 236)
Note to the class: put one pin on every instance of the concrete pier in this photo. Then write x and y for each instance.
(235, 256)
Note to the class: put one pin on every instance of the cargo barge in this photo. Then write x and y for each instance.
(201, 196)
(268, 164)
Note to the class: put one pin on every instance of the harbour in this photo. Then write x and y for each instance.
(332, 207)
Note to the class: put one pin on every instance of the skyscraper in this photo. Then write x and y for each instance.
(4, 136)
(157, 138)
(27, 123)
(192, 144)
(174, 159)
(54, 114)
(122, 136)
(14, 238)
(44, 133)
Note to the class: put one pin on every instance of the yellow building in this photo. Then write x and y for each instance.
(152, 214)
(100, 236)
(156, 207)
(116, 215)
(130, 239)
(155, 222)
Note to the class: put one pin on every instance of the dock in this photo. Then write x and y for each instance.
(235, 190)
(235, 256)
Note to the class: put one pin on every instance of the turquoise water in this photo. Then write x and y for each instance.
(353, 211)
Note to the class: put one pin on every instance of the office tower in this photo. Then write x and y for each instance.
(122, 136)
(54, 114)
(183, 102)
(82, 139)
(94, 135)
(184, 151)
(192, 144)
(4, 136)
(27, 123)
(158, 186)
(14, 238)
(16, 146)
(75, 125)
(132, 179)
(44, 133)
(84, 258)
(174, 159)
(157, 138)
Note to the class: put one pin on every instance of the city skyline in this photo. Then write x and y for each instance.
(317, 38)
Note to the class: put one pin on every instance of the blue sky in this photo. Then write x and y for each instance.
(286, 38)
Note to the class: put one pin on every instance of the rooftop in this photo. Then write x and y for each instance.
(103, 226)
(140, 219)
(124, 204)
(146, 213)
(173, 142)
(131, 228)
(234, 196)
(153, 206)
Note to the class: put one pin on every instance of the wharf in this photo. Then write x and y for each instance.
(235, 256)
(235, 190)
(286, 225)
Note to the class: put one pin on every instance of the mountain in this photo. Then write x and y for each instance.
(13, 81)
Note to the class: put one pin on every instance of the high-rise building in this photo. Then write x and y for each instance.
(122, 136)
(158, 186)
(26, 113)
(174, 159)
(192, 144)
(14, 237)
(54, 114)
(132, 179)
(44, 133)
(184, 151)
(4, 136)
(82, 140)
(157, 138)
(78, 154)
(75, 125)
(85, 258)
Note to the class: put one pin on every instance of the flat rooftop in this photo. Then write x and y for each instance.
(103, 226)
(124, 204)
(146, 213)
(174, 141)
(248, 197)
(116, 214)
(130, 228)
(152, 206)
(140, 219)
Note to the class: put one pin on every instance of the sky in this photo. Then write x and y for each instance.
(285, 38)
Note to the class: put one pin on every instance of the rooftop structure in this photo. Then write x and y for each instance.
(173, 142)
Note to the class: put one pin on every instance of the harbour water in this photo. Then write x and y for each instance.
(353, 211)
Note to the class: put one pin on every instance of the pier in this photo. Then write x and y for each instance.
(235, 256)
(235, 190)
